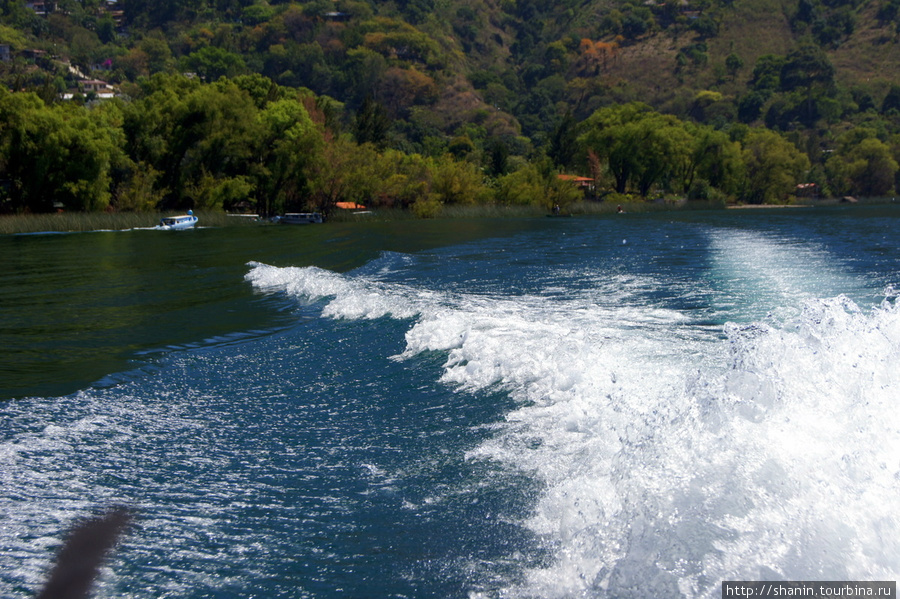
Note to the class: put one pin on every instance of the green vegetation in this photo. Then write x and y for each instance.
(81, 222)
(272, 106)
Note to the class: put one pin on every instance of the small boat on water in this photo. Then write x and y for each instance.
(182, 221)
(301, 218)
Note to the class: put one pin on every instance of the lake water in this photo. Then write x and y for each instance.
(638, 405)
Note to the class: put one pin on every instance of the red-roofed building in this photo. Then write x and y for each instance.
(349, 206)
(582, 182)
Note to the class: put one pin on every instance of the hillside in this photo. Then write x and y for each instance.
(530, 60)
(496, 83)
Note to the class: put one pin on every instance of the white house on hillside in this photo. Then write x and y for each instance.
(101, 89)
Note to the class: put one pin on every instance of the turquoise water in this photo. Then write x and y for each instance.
(629, 406)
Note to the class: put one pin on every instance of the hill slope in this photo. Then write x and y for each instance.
(494, 84)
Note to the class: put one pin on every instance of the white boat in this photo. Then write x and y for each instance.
(301, 218)
(174, 223)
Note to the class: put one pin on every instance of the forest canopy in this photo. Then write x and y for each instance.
(272, 106)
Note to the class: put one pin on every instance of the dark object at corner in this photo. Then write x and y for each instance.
(79, 560)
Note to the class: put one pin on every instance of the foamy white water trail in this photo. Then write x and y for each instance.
(673, 454)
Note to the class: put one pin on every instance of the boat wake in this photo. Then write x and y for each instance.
(672, 455)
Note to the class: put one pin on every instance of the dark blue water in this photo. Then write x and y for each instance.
(632, 406)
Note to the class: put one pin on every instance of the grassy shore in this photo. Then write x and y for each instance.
(102, 221)
(496, 211)
(73, 222)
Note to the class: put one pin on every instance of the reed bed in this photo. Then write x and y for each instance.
(75, 222)
(71, 222)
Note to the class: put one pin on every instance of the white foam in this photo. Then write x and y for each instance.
(349, 298)
(786, 463)
(673, 458)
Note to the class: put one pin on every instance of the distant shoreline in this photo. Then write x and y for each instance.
(80, 222)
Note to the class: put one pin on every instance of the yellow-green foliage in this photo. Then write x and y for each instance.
(522, 187)
(455, 182)
(645, 151)
(536, 184)
(561, 193)
(15, 38)
(137, 193)
(862, 164)
(214, 193)
(774, 167)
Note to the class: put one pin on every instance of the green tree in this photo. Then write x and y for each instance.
(106, 29)
(711, 158)
(640, 146)
(152, 14)
(257, 14)
(891, 101)
(372, 123)
(835, 27)
(498, 158)
(767, 73)
(151, 55)
(289, 155)
(637, 22)
(537, 184)
(524, 186)
(608, 137)
(806, 67)
(455, 182)
(55, 154)
(188, 131)
(210, 63)
(137, 190)
(665, 154)
(705, 26)
(159, 55)
(774, 167)
(863, 166)
(808, 70)
(262, 90)
(564, 142)
(212, 192)
(750, 106)
(85, 47)
(733, 63)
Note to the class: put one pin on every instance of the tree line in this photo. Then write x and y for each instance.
(248, 144)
